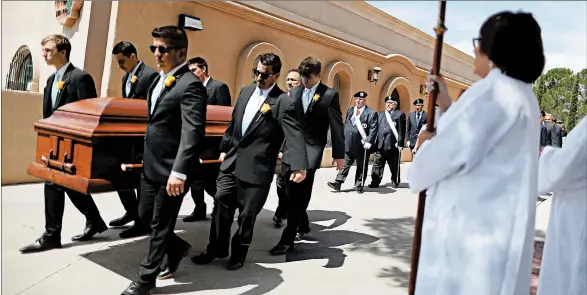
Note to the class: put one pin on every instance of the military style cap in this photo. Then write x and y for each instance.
(361, 94)
(391, 98)
(418, 101)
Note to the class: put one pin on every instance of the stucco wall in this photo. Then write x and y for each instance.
(19, 142)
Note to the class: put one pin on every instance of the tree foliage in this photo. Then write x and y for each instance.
(563, 94)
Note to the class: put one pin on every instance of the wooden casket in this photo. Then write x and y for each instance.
(96, 145)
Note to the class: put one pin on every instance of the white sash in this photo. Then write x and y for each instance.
(391, 124)
(360, 126)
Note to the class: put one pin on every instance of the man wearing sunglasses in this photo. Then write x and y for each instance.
(218, 94)
(173, 141)
(135, 84)
(319, 106)
(360, 134)
(262, 118)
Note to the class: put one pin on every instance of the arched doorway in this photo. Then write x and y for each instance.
(20, 73)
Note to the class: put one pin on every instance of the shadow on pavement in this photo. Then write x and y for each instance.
(125, 258)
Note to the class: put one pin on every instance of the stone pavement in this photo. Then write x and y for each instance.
(360, 244)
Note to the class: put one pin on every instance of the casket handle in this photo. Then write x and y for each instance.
(129, 167)
(68, 167)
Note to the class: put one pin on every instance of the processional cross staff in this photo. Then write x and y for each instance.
(439, 30)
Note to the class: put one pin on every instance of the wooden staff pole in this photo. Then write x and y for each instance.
(439, 30)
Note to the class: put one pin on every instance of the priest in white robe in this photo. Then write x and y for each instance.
(563, 171)
(481, 168)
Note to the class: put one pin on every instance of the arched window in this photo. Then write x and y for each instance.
(20, 73)
(336, 84)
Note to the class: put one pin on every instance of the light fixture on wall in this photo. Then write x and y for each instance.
(423, 90)
(188, 22)
(373, 74)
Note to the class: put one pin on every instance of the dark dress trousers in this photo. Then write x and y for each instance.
(388, 146)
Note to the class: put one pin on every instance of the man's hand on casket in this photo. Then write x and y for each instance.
(222, 155)
(175, 186)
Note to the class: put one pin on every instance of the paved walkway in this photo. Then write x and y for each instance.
(360, 244)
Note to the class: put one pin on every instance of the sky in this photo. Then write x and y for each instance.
(563, 24)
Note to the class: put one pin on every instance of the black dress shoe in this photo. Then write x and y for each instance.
(278, 221)
(138, 289)
(335, 185)
(360, 189)
(206, 257)
(90, 232)
(235, 263)
(197, 215)
(280, 249)
(173, 264)
(121, 221)
(133, 231)
(372, 185)
(39, 245)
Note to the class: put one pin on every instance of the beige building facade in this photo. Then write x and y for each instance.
(350, 38)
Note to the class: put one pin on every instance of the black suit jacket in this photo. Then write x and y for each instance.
(322, 114)
(145, 77)
(385, 138)
(352, 137)
(218, 93)
(414, 127)
(78, 85)
(253, 156)
(176, 128)
(546, 134)
(557, 135)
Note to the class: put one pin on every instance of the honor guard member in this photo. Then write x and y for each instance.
(390, 142)
(360, 133)
(415, 121)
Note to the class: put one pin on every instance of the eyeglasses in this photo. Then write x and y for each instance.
(264, 76)
(162, 49)
(291, 80)
(476, 42)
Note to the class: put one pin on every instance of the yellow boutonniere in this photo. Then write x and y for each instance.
(169, 81)
(60, 85)
(264, 109)
(316, 97)
(133, 80)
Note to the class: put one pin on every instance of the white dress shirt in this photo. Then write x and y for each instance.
(254, 104)
(307, 96)
(58, 77)
(128, 82)
(206, 81)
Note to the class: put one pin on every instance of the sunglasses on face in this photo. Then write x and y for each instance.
(264, 76)
(476, 42)
(162, 49)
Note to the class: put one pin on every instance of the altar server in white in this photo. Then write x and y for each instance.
(481, 169)
(564, 172)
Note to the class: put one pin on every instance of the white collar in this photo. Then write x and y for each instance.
(206, 81)
(265, 92)
(61, 71)
(361, 109)
(313, 89)
(134, 71)
(164, 75)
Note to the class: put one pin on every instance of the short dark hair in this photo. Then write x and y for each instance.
(199, 62)
(542, 113)
(173, 35)
(513, 42)
(310, 65)
(270, 59)
(124, 47)
(61, 43)
(293, 71)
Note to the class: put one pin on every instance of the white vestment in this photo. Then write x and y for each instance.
(563, 171)
(481, 173)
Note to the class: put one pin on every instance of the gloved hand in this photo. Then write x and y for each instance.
(367, 145)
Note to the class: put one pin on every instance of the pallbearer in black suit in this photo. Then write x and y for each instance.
(390, 142)
(135, 84)
(260, 123)
(173, 141)
(292, 80)
(415, 121)
(218, 94)
(69, 84)
(320, 106)
(360, 134)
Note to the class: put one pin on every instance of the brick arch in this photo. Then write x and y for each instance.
(246, 63)
(404, 88)
(345, 74)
